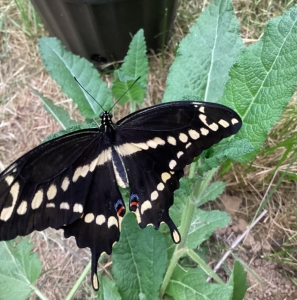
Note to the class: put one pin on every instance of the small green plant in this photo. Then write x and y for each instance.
(211, 64)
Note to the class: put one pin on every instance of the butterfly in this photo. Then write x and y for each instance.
(72, 182)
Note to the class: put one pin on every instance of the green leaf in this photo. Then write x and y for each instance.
(135, 65)
(181, 195)
(19, 270)
(136, 62)
(58, 113)
(212, 192)
(191, 284)
(139, 260)
(238, 282)
(264, 79)
(127, 92)
(108, 290)
(227, 149)
(203, 225)
(63, 66)
(205, 56)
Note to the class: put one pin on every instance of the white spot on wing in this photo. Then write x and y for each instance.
(213, 126)
(171, 140)
(127, 149)
(95, 282)
(154, 143)
(154, 195)
(85, 170)
(64, 205)
(176, 237)
(76, 174)
(224, 123)
(188, 145)
(160, 186)
(202, 109)
(22, 209)
(51, 192)
(179, 154)
(77, 208)
(50, 205)
(7, 211)
(234, 121)
(9, 180)
(100, 219)
(93, 164)
(65, 184)
(172, 164)
(37, 200)
(89, 218)
(145, 206)
(183, 137)
(142, 146)
(165, 176)
(194, 134)
(204, 131)
(104, 157)
(112, 221)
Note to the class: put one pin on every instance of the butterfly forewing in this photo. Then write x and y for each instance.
(72, 182)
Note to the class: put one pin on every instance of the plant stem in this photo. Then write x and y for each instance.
(39, 293)
(186, 220)
(204, 266)
(79, 281)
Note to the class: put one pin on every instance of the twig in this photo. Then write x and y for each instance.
(237, 241)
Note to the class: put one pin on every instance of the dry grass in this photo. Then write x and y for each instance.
(24, 124)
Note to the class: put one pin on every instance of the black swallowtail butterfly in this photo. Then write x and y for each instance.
(71, 182)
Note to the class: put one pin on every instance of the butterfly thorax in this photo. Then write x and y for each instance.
(106, 122)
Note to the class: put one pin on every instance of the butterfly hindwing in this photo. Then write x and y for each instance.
(99, 226)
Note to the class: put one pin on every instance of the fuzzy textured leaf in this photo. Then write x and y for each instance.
(108, 290)
(135, 65)
(63, 66)
(203, 225)
(238, 281)
(19, 269)
(264, 79)
(229, 148)
(133, 93)
(205, 56)
(191, 284)
(139, 260)
(136, 62)
(212, 192)
(58, 113)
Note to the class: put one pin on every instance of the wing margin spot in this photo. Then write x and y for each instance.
(37, 199)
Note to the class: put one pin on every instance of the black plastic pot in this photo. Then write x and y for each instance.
(102, 29)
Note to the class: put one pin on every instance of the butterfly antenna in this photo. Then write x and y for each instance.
(129, 88)
(89, 93)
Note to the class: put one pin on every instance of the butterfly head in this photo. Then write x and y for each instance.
(106, 120)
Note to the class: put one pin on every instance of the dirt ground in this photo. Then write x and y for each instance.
(267, 279)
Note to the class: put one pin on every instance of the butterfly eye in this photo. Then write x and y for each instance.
(101, 115)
